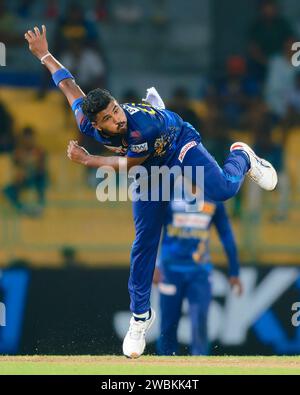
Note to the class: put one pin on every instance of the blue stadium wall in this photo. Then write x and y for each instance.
(80, 311)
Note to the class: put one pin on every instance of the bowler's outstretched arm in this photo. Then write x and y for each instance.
(38, 45)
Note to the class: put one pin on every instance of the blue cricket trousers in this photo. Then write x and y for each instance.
(195, 286)
(220, 184)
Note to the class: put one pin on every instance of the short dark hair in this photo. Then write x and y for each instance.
(96, 101)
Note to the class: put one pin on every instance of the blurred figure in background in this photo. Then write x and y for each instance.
(30, 173)
(74, 26)
(76, 40)
(69, 257)
(214, 129)
(159, 13)
(130, 96)
(280, 81)
(280, 92)
(180, 103)
(7, 140)
(8, 26)
(51, 9)
(101, 10)
(24, 9)
(267, 36)
(184, 270)
(215, 133)
(293, 105)
(86, 63)
(130, 12)
(260, 121)
(235, 91)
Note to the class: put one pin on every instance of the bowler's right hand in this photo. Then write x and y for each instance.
(76, 153)
(37, 41)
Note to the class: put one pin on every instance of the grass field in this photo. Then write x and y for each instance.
(114, 365)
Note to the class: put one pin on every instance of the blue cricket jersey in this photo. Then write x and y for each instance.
(151, 131)
(185, 237)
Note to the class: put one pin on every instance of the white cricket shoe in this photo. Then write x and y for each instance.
(261, 171)
(134, 343)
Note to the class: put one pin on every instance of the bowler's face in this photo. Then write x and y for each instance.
(112, 119)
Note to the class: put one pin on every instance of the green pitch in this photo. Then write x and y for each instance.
(114, 365)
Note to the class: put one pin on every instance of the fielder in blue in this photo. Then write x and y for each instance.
(149, 136)
(184, 270)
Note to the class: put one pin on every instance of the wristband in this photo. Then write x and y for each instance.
(60, 75)
(44, 57)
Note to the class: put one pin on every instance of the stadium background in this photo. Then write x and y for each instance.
(65, 261)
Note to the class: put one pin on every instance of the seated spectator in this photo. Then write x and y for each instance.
(52, 9)
(74, 36)
(19, 263)
(86, 63)
(274, 153)
(130, 96)
(8, 26)
(159, 13)
(263, 141)
(69, 258)
(261, 122)
(294, 96)
(30, 173)
(7, 141)
(235, 90)
(267, 36)
(24, 8)
(180, 103)
(129, 12)
(214, 131)
(216, 136)
(293, 105)
(74, 27)
(101, 11)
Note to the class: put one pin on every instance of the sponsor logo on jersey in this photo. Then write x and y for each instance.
(199, 220)
(139, 148)
(187, 233)
(135, 134)
(185, 149)
(129, 109)
(161, 144)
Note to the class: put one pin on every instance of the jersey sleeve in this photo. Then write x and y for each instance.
(222, 223)
(82, 121)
